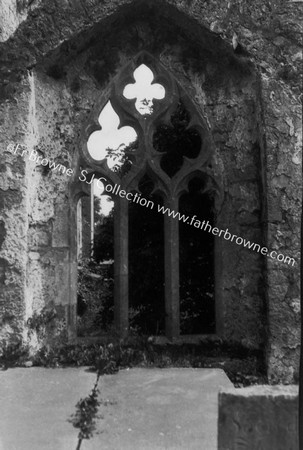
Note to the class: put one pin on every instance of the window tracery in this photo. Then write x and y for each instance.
(148, 126)
(152, 137)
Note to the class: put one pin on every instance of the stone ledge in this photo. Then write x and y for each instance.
(258, 417)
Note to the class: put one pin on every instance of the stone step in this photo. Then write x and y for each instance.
(147, 409)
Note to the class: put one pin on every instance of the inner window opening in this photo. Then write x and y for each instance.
(197, 302)
(95, 305)
(146, 265)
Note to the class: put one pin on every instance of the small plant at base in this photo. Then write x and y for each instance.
(87, 408)
(40, 320)
(86, 414)
(49, 326)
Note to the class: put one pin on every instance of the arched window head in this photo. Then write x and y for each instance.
(148, 125)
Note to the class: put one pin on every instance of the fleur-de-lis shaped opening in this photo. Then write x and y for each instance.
(112, 142)
(144, 91)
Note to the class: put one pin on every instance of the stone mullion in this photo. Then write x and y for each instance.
(172, 307)
(121, 266)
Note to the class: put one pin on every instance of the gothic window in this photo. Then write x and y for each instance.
(152, 143)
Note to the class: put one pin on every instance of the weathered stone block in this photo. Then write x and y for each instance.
(60, 227)
(258, 417)
(38, 237)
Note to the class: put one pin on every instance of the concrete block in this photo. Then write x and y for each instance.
(258, 418)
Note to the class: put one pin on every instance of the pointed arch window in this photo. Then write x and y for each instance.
(149, 133)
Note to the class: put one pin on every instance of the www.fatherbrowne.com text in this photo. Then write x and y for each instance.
(205, 226)
(190, 220)
(33, 156)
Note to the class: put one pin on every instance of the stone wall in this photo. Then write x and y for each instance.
(13, 216)
(13, 12)
(63, 57)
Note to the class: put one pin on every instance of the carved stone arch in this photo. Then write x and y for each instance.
(146, 126)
